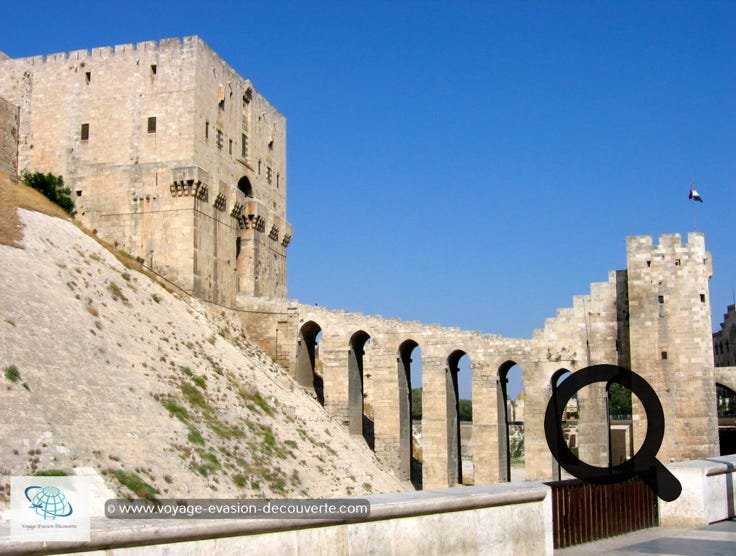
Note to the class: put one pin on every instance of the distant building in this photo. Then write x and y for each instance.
(724, 340)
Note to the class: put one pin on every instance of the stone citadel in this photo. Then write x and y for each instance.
(176, 159)
(170, 154)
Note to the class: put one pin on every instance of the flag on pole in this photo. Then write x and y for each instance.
(694, 195)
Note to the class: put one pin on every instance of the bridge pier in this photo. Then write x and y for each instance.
(435, 414)
(489, 457)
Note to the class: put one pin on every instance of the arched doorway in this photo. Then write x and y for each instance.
(511, 423)
(410, 466)
(726, 406)
(245, 245)
(459, 409)
(308, 366)
(245, 186)
(360, 420)
(567, 416)
(620, 424)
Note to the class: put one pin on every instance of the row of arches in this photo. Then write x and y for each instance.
(310, 373)
(342, 379)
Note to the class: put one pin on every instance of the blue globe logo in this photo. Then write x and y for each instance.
(48, 502)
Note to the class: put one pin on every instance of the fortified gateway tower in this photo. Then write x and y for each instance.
(171, 155)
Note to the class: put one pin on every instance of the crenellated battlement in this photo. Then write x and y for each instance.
(147, 51)
(636, 245)
(103, 52)
(671, 254)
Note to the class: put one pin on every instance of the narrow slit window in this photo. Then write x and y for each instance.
(153, 69)
(206, 130)
(88, 76)
(664, 355)
(702, 298)
(84, 132)
(152, 124)
(244, 146)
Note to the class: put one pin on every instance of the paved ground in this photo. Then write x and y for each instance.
(718, 539)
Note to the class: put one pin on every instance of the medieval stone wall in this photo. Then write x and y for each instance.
(9, 121)
(357, 366)
(171, 155)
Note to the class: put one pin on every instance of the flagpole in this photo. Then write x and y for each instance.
(695, 223)
(694, 196)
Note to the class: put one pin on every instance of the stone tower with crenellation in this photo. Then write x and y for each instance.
(670, 324)
(170, 155)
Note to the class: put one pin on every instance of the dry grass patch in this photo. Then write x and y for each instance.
(14, 195)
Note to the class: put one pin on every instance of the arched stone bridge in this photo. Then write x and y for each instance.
(652, 317)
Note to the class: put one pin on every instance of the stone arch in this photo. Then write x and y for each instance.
(409, 467)
(308, 371)
(726, 410)
(557, 377)
(245, 186)
(454, 450)
(725, 400)
(504, 455)
(359, 422)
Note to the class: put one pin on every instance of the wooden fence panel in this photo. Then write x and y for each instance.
(584, 512)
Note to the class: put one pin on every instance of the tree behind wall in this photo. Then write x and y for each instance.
(416, 404)
(619, 400)
(52, 187)
(466, 410)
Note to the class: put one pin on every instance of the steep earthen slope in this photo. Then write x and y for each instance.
(104, 368)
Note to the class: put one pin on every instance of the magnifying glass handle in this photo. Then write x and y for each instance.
(661, 481)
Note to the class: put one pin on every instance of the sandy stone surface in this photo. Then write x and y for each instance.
(117, 374)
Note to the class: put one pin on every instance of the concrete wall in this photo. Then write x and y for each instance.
(707, 493)
(9, 122)
(513, 520)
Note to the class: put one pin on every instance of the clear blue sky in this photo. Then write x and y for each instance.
(474, 164)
